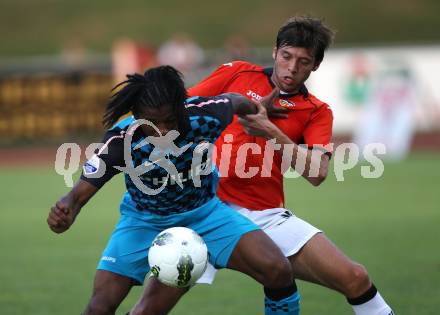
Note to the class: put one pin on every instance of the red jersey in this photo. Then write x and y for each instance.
(309, 122)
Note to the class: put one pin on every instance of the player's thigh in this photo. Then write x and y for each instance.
(321, 262)
(257, 255)
(157, 298)
(236, 242)
(109, 290)
(221, 228)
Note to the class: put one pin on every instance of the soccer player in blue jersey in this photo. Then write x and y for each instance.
(175, 199)
(299, 50)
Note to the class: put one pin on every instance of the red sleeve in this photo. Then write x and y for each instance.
(217, 81)
(318, 133)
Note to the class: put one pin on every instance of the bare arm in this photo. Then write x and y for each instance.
(243, 106)
(316, 162)
(315, 168)
(63, 214)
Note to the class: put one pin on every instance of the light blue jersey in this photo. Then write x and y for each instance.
(143, 216)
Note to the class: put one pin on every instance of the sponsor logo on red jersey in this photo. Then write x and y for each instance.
(286, 104)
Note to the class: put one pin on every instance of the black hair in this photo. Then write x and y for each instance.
(307, 32)
(160, 86)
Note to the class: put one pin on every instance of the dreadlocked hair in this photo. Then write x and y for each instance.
(159, 86)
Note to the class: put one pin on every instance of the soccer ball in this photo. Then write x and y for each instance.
(178, 257)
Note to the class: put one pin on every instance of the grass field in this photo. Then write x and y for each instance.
(389, 224)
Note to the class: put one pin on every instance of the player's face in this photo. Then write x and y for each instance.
(164, 118)
(292, 67)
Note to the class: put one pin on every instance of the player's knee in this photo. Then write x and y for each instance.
(357, 281)
(279, 274)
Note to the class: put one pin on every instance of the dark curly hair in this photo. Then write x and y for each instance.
(307, 32)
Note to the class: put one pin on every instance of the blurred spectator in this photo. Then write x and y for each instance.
(181, 52)
(388, 117)
(358, 86)
(236, 48)
(74, 54)
(129, 56)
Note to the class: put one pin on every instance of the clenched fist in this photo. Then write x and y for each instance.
(60, 217)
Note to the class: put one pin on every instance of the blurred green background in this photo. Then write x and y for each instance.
(42, 27)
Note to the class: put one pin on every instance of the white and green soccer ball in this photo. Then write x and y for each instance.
(178, 257)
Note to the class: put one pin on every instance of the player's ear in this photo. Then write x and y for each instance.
(274, 53)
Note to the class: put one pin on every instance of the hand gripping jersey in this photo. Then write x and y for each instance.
(309, 122)
(203, 121)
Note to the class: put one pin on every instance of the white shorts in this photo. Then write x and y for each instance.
(288, 231)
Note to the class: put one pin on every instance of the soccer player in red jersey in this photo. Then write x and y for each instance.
(252, 182)
(299, 50)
